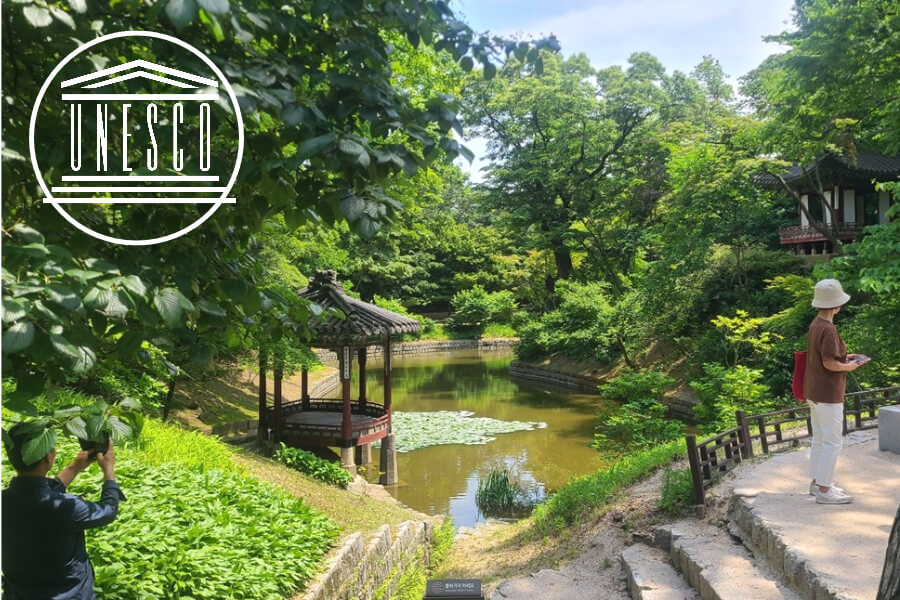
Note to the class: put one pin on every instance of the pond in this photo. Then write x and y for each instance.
(443, 479)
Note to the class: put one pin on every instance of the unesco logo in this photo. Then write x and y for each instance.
(130, 125)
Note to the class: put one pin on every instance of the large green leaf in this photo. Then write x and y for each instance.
(37, 448)
(211, 308)
(64, 296)
(64, 346)
(76, 427)
(97, 299)
(120, 429)
(214, 7)
(181, 12)
(17, 337)
(313, 146)
(85, 361)
(96, 425)
(28, 234)
(15, 308)
(168, 304)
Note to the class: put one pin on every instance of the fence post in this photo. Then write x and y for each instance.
(694, 460)
(763, 438)
(746, 442)
(857, 407)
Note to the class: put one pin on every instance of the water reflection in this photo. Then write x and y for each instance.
(443, 479)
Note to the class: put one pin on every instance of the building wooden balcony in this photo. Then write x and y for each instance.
(806, 233)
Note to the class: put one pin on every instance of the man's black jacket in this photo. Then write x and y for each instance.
(43, 538)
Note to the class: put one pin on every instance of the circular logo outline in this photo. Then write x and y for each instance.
(147, 34)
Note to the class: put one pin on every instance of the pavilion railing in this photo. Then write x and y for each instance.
(372, 409)
(711, 458)
(808, 233)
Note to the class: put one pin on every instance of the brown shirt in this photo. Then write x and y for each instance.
(821, 384)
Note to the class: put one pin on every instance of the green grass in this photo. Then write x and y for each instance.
(498, 330)
(584, 496)
(411, 585)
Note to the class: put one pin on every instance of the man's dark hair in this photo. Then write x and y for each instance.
(14, 441)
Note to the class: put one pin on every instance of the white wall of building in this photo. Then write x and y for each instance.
(849, 206)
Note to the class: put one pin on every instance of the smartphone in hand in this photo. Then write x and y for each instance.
(861, 358)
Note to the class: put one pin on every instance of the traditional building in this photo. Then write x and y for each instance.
(849, 189)
(349, 327)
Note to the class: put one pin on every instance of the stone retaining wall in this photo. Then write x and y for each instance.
(425, 346)
(553, 376)
(357, 571)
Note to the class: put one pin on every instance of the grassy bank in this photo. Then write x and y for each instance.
(581, 499)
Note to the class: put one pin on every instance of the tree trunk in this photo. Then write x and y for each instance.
(890, 576)
(828, 232)
(563, 263)
(167, 403)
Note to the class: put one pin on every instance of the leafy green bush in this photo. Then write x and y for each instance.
(314, 466)
(580, 327)
(501, 495)
(642, 419)
(195, 526)
(677, 492)
(475, 308)
(724, 390)
(581, 498)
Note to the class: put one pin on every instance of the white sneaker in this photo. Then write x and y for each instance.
(814, 488)
(832, 497)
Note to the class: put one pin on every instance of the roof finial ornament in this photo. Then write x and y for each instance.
(324, 277)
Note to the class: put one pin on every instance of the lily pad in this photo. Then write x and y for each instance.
(414, 430)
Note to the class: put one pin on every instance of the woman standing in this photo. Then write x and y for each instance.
(827, 364)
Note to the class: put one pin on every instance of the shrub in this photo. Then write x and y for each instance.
(677, 492)
(314, 466)
(580, 327)
(642, 419)
(724, 390)
(475, 309)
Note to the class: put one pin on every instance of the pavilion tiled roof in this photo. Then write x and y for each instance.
(363, 322)
(868, 166)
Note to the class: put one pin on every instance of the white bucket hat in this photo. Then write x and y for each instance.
(829, 294)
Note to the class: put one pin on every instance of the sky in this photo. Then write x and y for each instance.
(678, 32)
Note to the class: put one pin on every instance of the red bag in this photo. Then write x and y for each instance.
(799, 372)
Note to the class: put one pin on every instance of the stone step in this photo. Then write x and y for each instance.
(651, 576)
(718, 567)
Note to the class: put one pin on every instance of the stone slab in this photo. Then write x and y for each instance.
(719, 568)
(651, 575)
(826, 552)
(889, 429)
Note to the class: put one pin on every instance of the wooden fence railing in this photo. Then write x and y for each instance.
(713, 457)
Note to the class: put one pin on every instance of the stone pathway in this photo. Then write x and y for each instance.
(786, 545)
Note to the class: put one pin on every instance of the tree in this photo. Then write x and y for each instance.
(325, 128)
(558, 143)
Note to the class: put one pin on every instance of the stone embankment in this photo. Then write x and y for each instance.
(426, 346)
(359, 570)
(554, 376)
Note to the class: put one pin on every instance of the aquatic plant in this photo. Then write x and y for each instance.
(502, 495)
(414, 430)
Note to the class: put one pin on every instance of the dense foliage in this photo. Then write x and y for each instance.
(314, 466)
(195, 525)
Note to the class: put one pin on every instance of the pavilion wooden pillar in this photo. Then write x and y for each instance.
(364, 452)
(277, 376)
(262, 430)
(362, 379)
(347, 445)
(304, 388)
(388, 448)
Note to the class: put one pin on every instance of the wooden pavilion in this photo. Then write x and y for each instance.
(349, 424)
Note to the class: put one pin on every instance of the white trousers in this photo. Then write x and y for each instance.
(827, 439)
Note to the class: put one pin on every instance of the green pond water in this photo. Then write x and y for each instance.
(443, 479)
